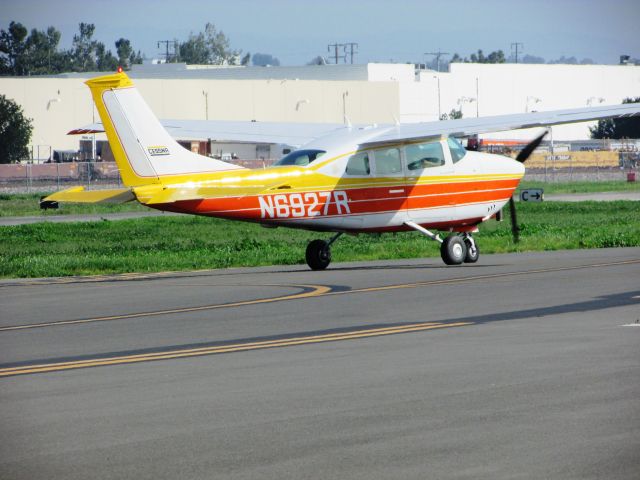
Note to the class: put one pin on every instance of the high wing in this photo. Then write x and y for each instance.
(298, 134)
(473, 126)
(293, 134)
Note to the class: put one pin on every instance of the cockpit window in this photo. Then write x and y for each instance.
(456, 149)
(358, 164)
(424, 155)
(301, 158)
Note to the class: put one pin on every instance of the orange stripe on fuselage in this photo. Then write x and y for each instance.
(361, 201)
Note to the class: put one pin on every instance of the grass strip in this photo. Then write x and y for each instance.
(187, 243)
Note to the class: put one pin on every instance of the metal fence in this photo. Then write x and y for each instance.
(55, 176)
(48, 177)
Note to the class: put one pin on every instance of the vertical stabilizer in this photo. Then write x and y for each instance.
(143, 150)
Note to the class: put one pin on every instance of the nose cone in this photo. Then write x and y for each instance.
(516, 167)
(498, 164)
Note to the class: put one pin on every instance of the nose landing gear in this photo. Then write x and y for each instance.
(455, 249)
(318, 253)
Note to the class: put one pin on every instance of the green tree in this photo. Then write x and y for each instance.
(105, 61)
(452, 115)
(627, 127)
(83, 51)
(263, 59)
(42, 55)
(124, 52)
(12, 50)
(208, 47)
(479, 57)
(15, 132)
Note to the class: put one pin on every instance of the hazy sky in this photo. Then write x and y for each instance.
(400, 30)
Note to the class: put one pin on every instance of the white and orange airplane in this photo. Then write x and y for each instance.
(350, 179)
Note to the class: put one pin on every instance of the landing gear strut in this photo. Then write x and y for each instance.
(455, 249)
(318, 253)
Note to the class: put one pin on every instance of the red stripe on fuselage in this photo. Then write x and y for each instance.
(361, 201)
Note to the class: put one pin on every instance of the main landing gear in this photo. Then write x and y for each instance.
(455, 249)
(319, 253)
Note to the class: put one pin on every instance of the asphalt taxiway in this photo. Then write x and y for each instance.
(520, 366)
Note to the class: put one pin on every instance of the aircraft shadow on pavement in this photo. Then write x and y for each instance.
(600, 303)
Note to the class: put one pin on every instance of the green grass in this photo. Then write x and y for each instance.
(582, 187)
(186, 243)
(27, 204)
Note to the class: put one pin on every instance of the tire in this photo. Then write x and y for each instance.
(453, 250)
(471, 257)
(318, 255)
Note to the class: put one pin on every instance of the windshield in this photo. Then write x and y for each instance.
(456, 149)
(300, 157)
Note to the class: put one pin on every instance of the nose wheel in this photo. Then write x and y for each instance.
(457, 249)
(318, 253)
(453, 250)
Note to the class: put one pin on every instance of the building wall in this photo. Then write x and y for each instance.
(389, 92)
(503, 89)
(262, 100)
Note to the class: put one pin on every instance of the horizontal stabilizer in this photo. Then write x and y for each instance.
(80, 195)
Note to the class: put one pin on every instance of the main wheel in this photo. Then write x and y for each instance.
(453, 250)
(318, 255)
(473, 251)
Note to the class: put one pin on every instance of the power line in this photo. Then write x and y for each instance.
(437, 54)
(167, 56)
(352, 48)
(514, 46)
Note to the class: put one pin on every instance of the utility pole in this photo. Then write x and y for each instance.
(351, 46)
(437, 54)
(167, 55)
(514, 47)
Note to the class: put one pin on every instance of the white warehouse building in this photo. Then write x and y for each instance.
(364, 94)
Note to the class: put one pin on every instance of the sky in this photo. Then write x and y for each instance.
(396, 31)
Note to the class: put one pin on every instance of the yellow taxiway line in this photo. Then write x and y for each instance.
(315, 291)
(310, 291)
(239, 347)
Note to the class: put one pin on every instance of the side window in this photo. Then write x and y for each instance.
(358, 164)
(388, 162)
(424, 155)
(456, 149)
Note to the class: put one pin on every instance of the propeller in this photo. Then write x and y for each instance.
(522, 157)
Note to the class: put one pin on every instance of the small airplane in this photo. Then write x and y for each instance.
(350, 179)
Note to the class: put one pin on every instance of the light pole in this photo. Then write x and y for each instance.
(439, 108)
(206, 104)
(531, 99)
(301, 102)
(344, 108)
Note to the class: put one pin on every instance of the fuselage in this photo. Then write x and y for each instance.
(351, 186)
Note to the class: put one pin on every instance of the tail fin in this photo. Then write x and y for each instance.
(143, 150)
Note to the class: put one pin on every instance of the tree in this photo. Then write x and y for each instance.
(264, 59)
(12, 48)
(453, 115)
(124, 52)
(209, 47)
(479, 57)
(319, 60)
(628, 127)
(105, 61)
(42, 55)
(84, 49)
(246, 59)
(15, 132)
